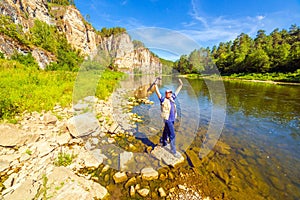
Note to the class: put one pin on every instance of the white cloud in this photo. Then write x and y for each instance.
(260, 17)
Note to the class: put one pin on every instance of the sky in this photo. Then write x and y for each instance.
(171, 28)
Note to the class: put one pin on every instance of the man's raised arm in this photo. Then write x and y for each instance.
(157, 91)
(179, 87)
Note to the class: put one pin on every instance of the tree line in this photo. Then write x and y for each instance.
(62, 2)
(277, 52)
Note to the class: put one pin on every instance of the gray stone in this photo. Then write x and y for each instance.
(82, 125)
(164, 154)
(91, 99)
(125, 157)
(89, 159)
(73, 187)
(80, 106)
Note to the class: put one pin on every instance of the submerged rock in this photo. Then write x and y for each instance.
(120, 177)
(143, 192)
(149, 174)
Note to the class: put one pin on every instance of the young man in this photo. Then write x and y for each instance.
(168, 113)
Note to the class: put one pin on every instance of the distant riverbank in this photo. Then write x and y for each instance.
(273, 78)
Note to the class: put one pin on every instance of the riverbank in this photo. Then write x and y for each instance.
(272, 78)
(49, 155)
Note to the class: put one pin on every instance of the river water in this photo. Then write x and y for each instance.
(261, 126)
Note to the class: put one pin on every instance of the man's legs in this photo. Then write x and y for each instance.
(165, 134)
(171, 134)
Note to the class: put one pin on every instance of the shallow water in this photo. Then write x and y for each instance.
(262, 127)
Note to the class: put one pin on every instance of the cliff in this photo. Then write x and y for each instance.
(79, 33)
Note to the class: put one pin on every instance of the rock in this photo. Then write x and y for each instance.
(111, 140)
(64, 184)
(113, 128)
(26, 190)
(90, 99)
(149, 174)
(4, 165)
(11, 136)
(162, 177)
(43, 148)
(132, 191)
(63, 139)
(164, 154)
(182, 187)
(194, 158)
(49, 118)
(89, 159)
(222, 148)
(120, 177)
(81, 107)
(82, 125)
(130, 182)
(143, 192)
(162, 192)
(125, 157)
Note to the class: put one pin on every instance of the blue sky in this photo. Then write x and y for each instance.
(200, 23)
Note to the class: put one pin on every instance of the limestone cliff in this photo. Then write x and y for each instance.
(79, 33)
(128, 58)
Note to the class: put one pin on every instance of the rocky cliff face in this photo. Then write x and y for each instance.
(80, 34)
(128, 58)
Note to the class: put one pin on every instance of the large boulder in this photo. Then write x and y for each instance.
(82, 125)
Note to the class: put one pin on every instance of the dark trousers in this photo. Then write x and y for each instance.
(169, 132)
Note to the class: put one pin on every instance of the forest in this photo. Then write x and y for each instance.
(278, 52)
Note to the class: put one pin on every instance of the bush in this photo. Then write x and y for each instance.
(25, 59)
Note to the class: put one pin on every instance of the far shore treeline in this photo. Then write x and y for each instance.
(275, 54)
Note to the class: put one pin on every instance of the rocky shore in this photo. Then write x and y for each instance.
(60, 155)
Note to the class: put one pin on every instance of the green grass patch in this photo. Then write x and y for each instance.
(64, 159)
(28, 89)
(280, 77)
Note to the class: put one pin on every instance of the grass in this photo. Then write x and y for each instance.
(25, 88)
(64, 159)
(277, 77)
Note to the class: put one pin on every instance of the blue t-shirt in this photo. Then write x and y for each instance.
(172, 111)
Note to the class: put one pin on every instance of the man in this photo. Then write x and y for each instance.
(168, 113)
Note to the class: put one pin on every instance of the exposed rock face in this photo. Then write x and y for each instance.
(128, 58)
(9, 46)
(23, 11)
(80, 34)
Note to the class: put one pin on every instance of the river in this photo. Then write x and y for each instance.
(261, 126)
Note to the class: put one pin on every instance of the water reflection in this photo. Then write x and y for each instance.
(262, 129)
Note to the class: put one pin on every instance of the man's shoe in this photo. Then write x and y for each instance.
(177, 155)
